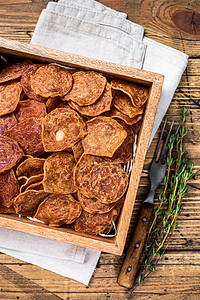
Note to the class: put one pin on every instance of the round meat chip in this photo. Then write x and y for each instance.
(9, 97)
(138, 94)
(107, 182)
(87, 87)
(123, 103)
(57, 210)
(125, 152)
(14, 71)
(9, 188)
(136, 127)
(30, 181)
(114, 113)
(78, 150)
(26, 83)
(51, 81)
(52, 103)
(29, 136)
(10, 153)
(30, 109)
(104, 136)
(82, 168)
(102, 104)
(38, 186)
(58, 173)
(61, 129)
(30, 167)
(94, 224)
(26, 204)
(7, 122)
(93, 205)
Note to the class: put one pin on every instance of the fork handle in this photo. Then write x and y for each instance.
(130, 264)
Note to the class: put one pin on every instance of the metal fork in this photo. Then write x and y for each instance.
(156, 174)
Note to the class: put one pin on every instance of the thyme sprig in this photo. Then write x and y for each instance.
(170, 198)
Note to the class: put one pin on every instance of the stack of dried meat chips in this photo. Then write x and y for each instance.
(64, 137)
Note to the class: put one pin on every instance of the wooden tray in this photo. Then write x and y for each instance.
(154, 81)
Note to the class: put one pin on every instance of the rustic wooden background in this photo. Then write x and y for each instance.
(176, 24)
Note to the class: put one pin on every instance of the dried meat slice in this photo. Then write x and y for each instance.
(30, 167)
(107, 182)
(29, 136)
(102, 104)
(87, 87)
(138, 94)
(52, 103)
(104, 136)
(9, 188)
(82, 168)
(78, 150)
(57, 210)
(9, 97)
(30, 109)
(93, 205)
(7, 122)
(26, 83)
(125, 152)
(61, 129)
(30, 181)
(58, 173)
(26, 204)
(14, 71)
(10, 153)
(51, 81)
(123, 103)
(7, 210)
(94, 224)
(116, 114)
(38, 186)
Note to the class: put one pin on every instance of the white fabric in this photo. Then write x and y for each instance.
(88, 28)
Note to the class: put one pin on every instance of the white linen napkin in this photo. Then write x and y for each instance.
(88, 28)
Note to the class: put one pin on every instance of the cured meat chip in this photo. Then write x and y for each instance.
(30, 181)
(104, 136)
(58, 209)
(14, 71)
(30, 109)
(123, 103)
(9, 188)
(10, 153)
(87, 87)
(98, 107)
(82, 168)
(38, 186)
(107, 182)
(7, 122)
(26, 83)
(51, 81)
(138, 94)
(116, 114)
(29, 136)
(7, 210)
(125, 152)
(26, 204)
(61, 129)
(93, 205)
(30, 167)
(9, 97)
(58, 173)
(94, 223)
(78, 150)
(52, 103)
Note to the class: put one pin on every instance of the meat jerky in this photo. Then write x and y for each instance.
(30, 109)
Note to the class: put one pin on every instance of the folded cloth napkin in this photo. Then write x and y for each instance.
(88, 28)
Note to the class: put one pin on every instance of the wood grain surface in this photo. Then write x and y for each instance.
(178, 274)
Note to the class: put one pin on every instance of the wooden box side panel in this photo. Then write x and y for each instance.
(154, 80)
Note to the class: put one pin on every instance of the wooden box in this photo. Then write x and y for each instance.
(154, 81)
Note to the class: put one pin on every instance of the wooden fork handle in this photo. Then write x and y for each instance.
(130, 264)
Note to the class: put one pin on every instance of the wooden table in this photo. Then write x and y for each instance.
(176, 24)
